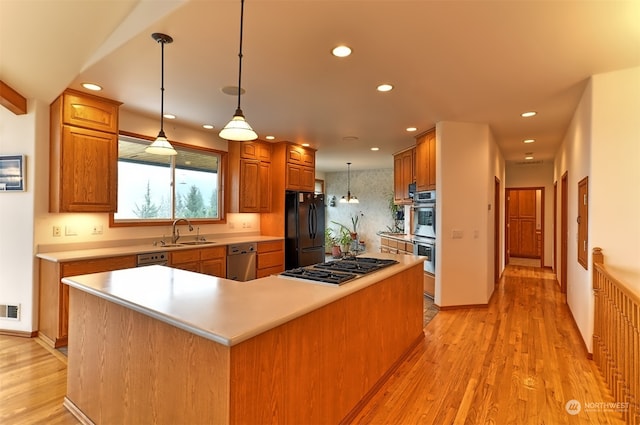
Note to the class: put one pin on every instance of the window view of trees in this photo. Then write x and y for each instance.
(153, 187)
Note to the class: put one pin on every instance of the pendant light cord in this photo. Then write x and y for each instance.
(161, 87)
(240, 55)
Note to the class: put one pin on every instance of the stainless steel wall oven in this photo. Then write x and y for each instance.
(424, 214)
(426, 247)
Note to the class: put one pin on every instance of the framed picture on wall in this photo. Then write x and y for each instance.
(12, 173)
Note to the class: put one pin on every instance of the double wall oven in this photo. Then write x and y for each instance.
(423, 229)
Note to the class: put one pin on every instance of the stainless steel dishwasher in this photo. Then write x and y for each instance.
(241, 261)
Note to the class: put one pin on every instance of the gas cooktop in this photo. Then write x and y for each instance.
(339, 271)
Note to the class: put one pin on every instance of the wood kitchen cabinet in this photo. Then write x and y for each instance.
(395, 246)
(270, 258)
(425, 166)
(210, 260)
(83, 158)
(403, 175)
(53, 308)
(300, 168)
(250, 177)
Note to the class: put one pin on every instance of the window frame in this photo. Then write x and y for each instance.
(222, 194)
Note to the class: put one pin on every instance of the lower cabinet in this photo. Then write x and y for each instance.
(53, 309)
(270, 258)
(429, 284)
(395, 246)
(211, 261)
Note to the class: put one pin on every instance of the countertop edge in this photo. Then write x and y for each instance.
(96, 253)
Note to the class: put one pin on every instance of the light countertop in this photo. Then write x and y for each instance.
(222, 310)
(136, 248)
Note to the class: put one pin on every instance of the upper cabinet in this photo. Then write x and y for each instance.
(250, 177)
(426, 161)
(300, 168)
(403, 174)
(83, 153)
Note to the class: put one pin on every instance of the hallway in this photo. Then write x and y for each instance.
(519, 361)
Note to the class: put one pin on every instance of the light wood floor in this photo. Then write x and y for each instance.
(519, 361)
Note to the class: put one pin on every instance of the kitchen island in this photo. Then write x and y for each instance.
(162, 345)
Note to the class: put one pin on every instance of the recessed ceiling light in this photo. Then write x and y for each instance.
(341, 51)
(306, 145)
(410, 129)
(91, 86)
(375, 149)
(529, 140)
(270, 137)
(350, 138)
(207, 126)
(384, 87)
(232, 90)
(528, 157)
(169, 116)
(528, 114)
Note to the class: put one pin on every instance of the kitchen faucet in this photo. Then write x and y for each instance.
(175, 233)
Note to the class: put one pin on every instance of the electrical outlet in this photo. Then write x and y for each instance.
(96, 229)
(57, 231)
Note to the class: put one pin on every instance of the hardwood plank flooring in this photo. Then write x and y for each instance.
(519, 361)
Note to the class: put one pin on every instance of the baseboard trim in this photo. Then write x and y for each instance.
(21, 334)
(77, 413)
(462, 306)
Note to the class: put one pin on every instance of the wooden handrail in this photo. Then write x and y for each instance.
(616, 337)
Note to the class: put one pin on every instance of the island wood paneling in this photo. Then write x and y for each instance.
(125, 367)
(317, 368)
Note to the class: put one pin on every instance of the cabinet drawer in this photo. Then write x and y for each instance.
(98, 265)
(190, 255)
(211, 253)
(90, 112)
(270, 246)
(270, 259)
(269, 271)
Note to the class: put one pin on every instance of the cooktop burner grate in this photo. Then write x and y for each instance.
(339, 271)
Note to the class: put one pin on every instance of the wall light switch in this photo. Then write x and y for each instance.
(457, 234)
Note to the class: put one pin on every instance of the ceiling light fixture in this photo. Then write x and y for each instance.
(375, 149)
(384, 87)
(528, 114)
(207, 126)
(91, 86)
(341, 51)
(161, 145)
(238, 128)
(529, 140)
(170, 116)
(411, 129)
(349, 199)
(270, 137)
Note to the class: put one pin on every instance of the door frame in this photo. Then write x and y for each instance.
(506, 220)
(555, 227)
(496, 230)
(564, 231)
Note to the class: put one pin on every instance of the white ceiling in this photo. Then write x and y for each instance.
(471, 61)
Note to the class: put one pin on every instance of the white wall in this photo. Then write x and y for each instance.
(18, 136)
(602, 143)
(537, 175)
(466, 165)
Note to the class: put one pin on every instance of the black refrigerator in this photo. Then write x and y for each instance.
(304, 229)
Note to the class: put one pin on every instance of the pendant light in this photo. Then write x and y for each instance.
(238, 128)
(161, 145)
(349, 199)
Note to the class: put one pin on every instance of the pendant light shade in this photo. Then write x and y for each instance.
(238, 128)
(349, 199)
(161, 145)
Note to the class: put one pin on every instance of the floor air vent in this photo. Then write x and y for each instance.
(8, 311)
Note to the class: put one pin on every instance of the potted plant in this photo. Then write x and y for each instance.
(332, 243)
(345, 239)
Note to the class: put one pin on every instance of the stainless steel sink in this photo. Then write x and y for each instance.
(195, 243)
